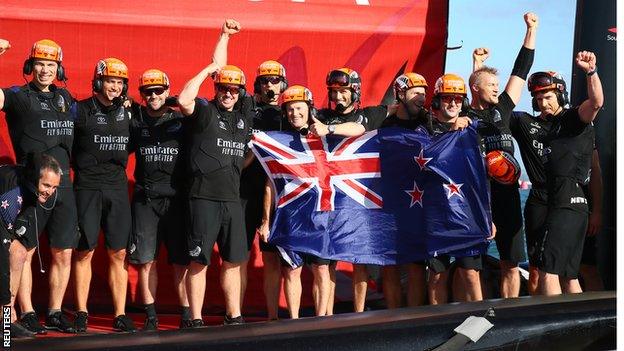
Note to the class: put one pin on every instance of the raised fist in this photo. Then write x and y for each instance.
(480, 54)
(586, 60)
(4, 46)
(531, 20)
(231, 26)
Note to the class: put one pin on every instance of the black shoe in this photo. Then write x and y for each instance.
(18, 331)
(197, 323)
(81, 321)
(186, 323)
(30, 321)
(123, 323)
(227, 320)
(151, 323)
(58, 321)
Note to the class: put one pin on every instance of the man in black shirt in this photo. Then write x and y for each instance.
(220, 129)
(493, 112)
(100, 159)
(27, 194)
(270, 82)
(159, 203)
(39, 120)
(345, 117)
(556, 149)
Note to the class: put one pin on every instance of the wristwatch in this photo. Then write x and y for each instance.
(331, 128)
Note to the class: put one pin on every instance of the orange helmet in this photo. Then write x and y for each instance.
(409, 80)
(345, 77)
(271, 68)
(450, 84)
(540, 81)
(46, 49)
(502, 167)
(153, 77)
(230, 74)
(111, 67)
(296, 93)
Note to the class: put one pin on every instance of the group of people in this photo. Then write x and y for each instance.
(197, 184)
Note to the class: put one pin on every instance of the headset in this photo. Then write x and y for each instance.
(28, 69)
(562, 99)
(435, 103)
(97, 84)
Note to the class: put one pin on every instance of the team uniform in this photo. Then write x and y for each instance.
(218, 143)
(370, 117)
(41, 122)
(159, 203)
(442, 263)
(557, 154)
(100, 159)
(493, 129)
(253, 177)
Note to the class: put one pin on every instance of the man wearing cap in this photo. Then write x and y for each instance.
(27, 193)
(219, 131)
(159, 203)
(39, 120)
(556, 147)
(270, 82)
(100, 158)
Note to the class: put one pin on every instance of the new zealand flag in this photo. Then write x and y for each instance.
(389, 196)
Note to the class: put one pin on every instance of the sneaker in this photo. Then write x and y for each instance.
(197, 323)
(30, 321)
(186, 324)
(151, 323)
(18, 331)
(123, 323)
(58, 321)
(227, 320)
(81, 321)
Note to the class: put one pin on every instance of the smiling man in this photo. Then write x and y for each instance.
(100, 159)
(39, 120)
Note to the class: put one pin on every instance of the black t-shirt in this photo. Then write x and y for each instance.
(100, 147)
(41, 121)
(158, 144)
(437, 128)
(534, 135)
(370, 117)
(218, 144)
(493, 127)
(394, 121)
(267, 118)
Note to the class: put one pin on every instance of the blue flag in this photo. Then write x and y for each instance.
(389, 196)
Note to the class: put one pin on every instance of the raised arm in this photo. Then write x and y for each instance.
(586, 60)
(4, 46)
(230, 27)
(524, 60)
(479, 55)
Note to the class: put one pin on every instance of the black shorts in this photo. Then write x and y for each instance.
(507, 216)
(220, 222)
(535, 212)
(32, 224)
(5, 272)
(62, 226)
(559, 244)
(442, 263)
(108, 209)
(155, 221)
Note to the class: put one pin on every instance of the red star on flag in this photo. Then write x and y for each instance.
(421, 160)
(453, 189)
(416, 195)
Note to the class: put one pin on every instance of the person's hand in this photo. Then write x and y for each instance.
(263, 231)
(318, 128)
(4, 46)
(480, 54)
(127, 102)
(595, 223)
(230, 27)
(531, 20)
(493, 234)
(586, 60)
(461, 123)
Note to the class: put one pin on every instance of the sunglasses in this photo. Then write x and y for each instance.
(270, 79)
(448, 98)
(337, 79)
(541, 80)
(226, 88)
(149, 92)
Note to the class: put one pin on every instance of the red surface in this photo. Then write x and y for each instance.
(178, 37)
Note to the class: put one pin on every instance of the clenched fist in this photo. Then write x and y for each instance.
(231, 26)
(4, 46)
(586, 60)
(531, 20)
(480, 54)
